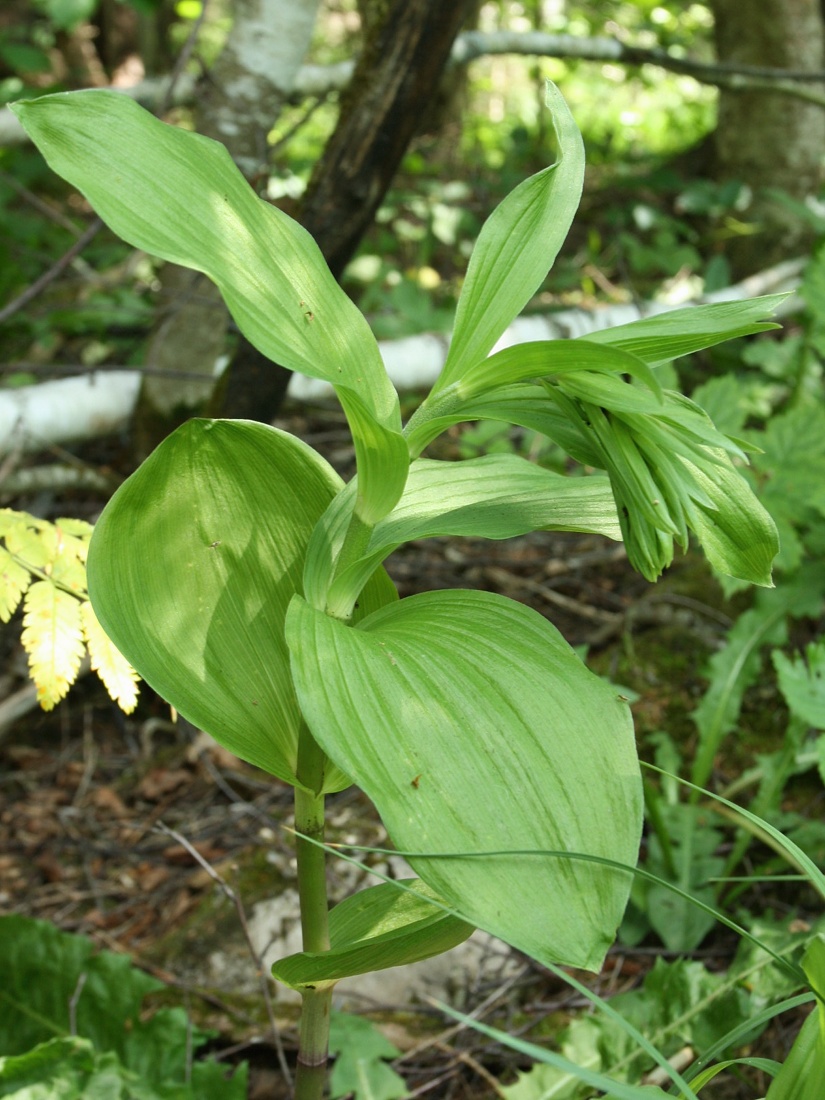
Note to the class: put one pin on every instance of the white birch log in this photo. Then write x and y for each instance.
(75, 409)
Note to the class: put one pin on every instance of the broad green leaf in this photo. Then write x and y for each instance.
(724, 399)
(66, 14)
(42, 969)
(57, 1069)
(666, 336)
(475, 728)
(68, 1069)
(360, 1070)
(516, 247)
(792, 467)
(179, 196)
(375, 929)
(192, 566)
(383, 462)
(495, 497)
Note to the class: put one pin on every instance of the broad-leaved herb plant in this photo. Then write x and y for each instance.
(244, 580)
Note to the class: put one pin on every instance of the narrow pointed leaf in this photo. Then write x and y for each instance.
(738, 536)
(516, 248)
(803, 1071)
(549, 358)
(671, 471)
(683, 331)
(766, 1065)
(613, 1090)
(375, 929)
(525, 404)
(474, 727)
(192, 566)
(495, 497)
(179, 196)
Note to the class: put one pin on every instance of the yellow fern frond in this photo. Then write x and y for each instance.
(53, 638)
(58, 621)
(69, 566)
(118, 676)
(14, 580)
(32, 541)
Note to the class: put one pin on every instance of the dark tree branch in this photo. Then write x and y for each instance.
(393, 85)
(391, 88)
(320, 80)
(48, 277)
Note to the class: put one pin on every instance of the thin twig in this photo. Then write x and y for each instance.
(42, 207)
(181, 62)
(504, 578)
(477, 1068)
(477, 1012)
(82, 368)
(302, 120)
(78, 989)
(232, 794)
(234, 897)
(48, 277)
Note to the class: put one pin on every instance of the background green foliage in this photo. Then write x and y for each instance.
(72, 1026)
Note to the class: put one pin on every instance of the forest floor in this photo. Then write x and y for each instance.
(139, 833)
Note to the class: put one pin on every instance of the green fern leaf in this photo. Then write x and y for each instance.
(53, 638)
(118, 676)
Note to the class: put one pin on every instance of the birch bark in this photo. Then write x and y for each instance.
(237, 104)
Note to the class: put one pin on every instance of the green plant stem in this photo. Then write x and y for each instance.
(354, 545)
(311, 1073)
(312, 890)
(424, 426)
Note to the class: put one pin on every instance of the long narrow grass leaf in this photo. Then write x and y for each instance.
(616, 1090)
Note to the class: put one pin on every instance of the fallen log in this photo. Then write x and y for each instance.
(71, 410)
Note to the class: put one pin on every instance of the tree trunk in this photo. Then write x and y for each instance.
(768, 141)
(238, 103)
(245, 90)
(405, 52)
(403, 57)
